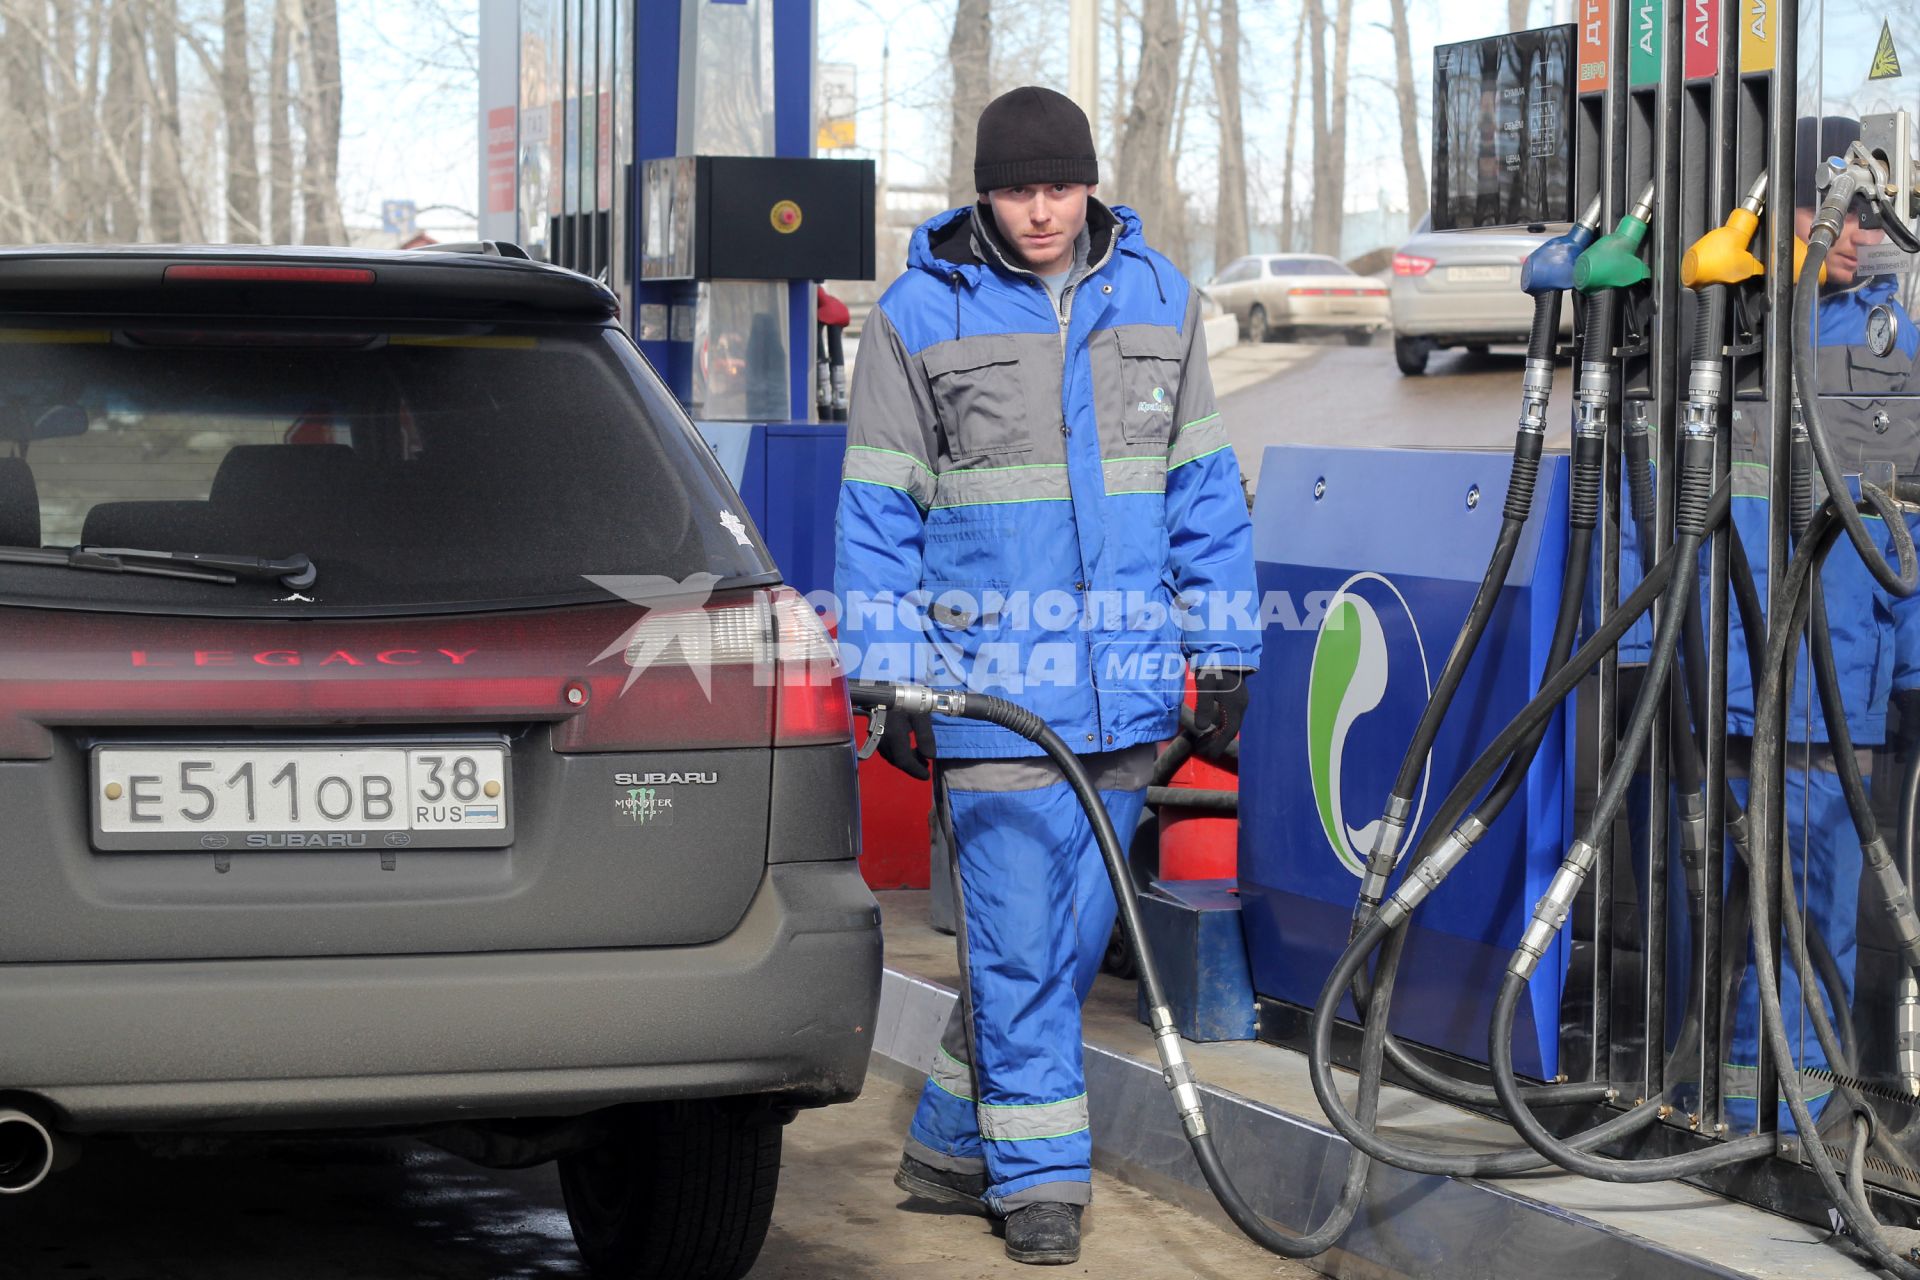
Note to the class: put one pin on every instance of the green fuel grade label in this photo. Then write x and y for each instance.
(1646, 24)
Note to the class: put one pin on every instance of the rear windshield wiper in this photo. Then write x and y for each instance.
(294, 571)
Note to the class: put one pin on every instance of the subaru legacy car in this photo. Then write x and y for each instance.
(404, 730)
(1282, 296)
(1462, 289)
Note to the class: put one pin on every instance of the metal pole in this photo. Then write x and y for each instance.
(1083, 61)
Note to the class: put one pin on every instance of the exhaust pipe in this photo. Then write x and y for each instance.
(29, 1151)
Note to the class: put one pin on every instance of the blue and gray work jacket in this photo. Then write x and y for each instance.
(1876, 638)
(1029, 487)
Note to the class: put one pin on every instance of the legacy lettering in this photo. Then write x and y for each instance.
(297, 658)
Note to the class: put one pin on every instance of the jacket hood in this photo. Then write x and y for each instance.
(945, 244)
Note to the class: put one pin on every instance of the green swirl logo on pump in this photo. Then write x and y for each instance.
(1365, 689)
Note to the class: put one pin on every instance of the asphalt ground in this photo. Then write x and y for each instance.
(1321, 394)
(237, 1209)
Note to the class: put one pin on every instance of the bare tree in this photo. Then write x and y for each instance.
(1146, 178)
(1230, 217)
(236, 100)
(1287, 216)
(280, 122)
(970, 57)
(23, 199)
(160, 87)
(1411, 158)
(1330, 123)
(320, 121)
(1517, 11)
(124, 129)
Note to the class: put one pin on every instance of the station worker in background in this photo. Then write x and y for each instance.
(1867, 347)
(1035, 463)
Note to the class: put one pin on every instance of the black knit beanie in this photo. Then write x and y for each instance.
(1033, 135)
(1837, 133)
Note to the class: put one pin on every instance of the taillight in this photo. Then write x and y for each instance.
(230, 273)
(738, 672)
(810, 700)
(1411, 264)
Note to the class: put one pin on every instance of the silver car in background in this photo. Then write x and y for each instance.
(1462, 289)
(1279, 295)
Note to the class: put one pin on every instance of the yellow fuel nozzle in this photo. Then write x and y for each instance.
(1722, 255)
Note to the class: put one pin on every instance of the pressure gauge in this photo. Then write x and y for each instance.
(1883, 328)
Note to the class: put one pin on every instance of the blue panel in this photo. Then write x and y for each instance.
(1193, 927)
(1391, 551)
(656, 133)
(803, 463)
(793, 136)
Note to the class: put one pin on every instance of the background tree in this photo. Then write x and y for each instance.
(970, 57)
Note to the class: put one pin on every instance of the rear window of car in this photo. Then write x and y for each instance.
(422, 468)
(1307, 267)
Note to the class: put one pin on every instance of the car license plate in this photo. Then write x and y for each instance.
(386, 795)
(1477, 275)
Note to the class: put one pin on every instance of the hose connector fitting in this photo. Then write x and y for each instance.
(1907, 1034)
(1381, 860)
(1554, 908)
(1177, 1073)
(1424, 878)
(1894, 898)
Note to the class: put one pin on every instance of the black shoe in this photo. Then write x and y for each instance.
(942, 1186)
(1045, 1234)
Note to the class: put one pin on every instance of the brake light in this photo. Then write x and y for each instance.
(810, 689)
(1411, 264)
(225, 273)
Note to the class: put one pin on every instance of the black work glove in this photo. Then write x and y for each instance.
(1906, 728)
(1218, 710)
(907, 743)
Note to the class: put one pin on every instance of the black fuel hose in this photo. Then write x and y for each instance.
(1766, 798)
(1174, 1067)
(1806, 295)
(1528, 442)
(1584, 507)
(1554, 688)
(1696, 481)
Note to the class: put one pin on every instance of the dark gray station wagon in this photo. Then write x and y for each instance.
(403, 729)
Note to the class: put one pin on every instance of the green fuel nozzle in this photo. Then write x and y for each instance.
(1613, 261)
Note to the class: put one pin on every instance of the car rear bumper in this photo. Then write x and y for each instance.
(1462, 316)
(782, 1006)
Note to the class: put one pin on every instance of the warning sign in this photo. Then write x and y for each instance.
(1886, 60)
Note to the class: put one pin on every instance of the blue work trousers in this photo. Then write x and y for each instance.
(1038, 910)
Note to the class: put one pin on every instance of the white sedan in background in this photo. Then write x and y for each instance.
(1286, 294)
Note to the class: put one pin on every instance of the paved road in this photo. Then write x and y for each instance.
(1339, 395)
(239, 1210)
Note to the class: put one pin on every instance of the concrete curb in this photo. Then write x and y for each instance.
(1290, 1169)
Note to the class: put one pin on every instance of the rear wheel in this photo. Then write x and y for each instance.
(680, 1191)
(1257, 330)
(1411, 355)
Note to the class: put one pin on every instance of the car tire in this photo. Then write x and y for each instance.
(1257, 330)
(682, 1190)
(1359, 337)
(1411, 355)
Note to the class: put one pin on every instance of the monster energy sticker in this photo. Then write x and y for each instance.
(1886, 59)
(643, 807)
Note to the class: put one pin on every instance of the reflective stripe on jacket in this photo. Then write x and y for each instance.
(1042, 489)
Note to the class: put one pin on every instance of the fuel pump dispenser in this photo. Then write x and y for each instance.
(1755, 396)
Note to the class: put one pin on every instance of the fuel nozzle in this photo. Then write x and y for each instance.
(1723, 255)
(1550, 267)
(1613, 261)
